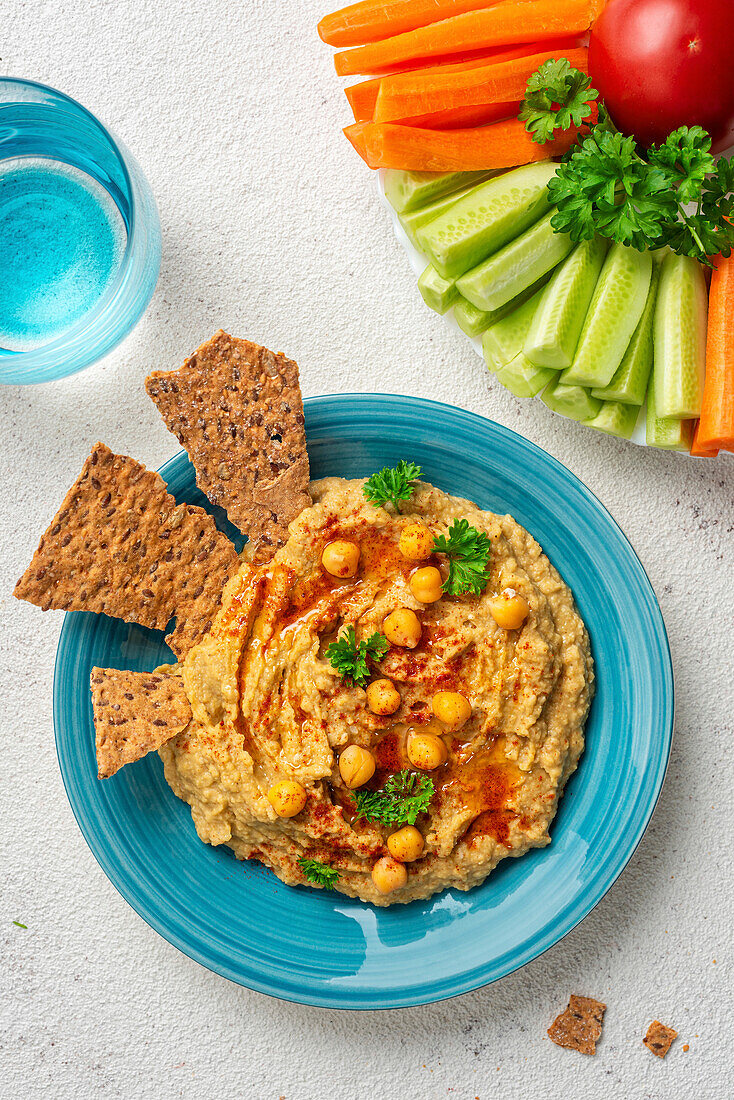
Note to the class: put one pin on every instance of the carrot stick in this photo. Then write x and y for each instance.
(363, 96)
(503, 25)
(461, 118)
(716, 426)
(374, 20)
(358, 133)
(696, 449)
(500, 145)
(421, 93)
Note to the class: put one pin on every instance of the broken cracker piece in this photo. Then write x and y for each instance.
(134, 714)
(659, 1038)
(237, 409)
(281, 497)
(120, 544)
(579, 1026)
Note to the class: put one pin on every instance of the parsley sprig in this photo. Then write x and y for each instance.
(320, 874)
(392, 484)
(405, 795)
(557, 97)
(468, 552)
(350, 658)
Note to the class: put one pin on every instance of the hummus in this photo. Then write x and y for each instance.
(267, 705)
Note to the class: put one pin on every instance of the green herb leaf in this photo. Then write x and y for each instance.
(685, 160)
(404, 796)
(350, 658)
(19, 925)
(318, 873)
(557, 97)
(392, 484)
(605, 187)
(468, 552)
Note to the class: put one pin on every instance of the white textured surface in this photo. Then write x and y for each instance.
(272, 229)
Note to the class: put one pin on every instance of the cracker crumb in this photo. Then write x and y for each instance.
(659, 1038)
(579, 1026)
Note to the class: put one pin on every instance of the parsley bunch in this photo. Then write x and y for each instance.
(605, 185)
(468, 552)
(392, 484)
(320, 874)
(350, 658)
(404, 796)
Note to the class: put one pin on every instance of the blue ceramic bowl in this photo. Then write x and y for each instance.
(323, 949)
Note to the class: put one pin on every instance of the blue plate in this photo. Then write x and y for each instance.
(323, 949)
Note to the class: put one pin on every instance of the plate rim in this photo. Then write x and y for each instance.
(344, 1003)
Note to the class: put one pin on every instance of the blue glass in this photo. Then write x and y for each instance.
(324, 949)
(79, 236)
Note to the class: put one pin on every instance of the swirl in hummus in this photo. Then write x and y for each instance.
(268, 706)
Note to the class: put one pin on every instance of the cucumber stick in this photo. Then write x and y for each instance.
(572, 401)
(408, 190)
(524, 378)
(484, 220)
(505, 339)
(523, 261)
(412, 220)
(475, 321)
(615, 311)
(669, 433)
(615, 418)
(559, 318)
(629, 384)
(680, 337)
(471, 320)
(438, 293)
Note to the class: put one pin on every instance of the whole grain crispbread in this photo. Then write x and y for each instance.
(134, 714)
(237, 409)
(579, 1026)
(659, 1038)
(121, 545)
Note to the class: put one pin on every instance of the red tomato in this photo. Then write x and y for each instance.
(660, 64)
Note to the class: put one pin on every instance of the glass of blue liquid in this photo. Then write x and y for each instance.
(80, 239)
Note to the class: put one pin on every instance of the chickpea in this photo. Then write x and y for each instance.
(389, 875)
(383, 697)
(287, 797)
(416, 542)
(341, 558)
(406, 844)
(426, 751)
(356, 766)
(402, 627)
(425, 584)
(509, 610)
(452, 708)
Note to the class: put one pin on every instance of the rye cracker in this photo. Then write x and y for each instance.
(659, 1038)
(121, 545)
(134, 714)
(237, 409)
(579, 1026)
